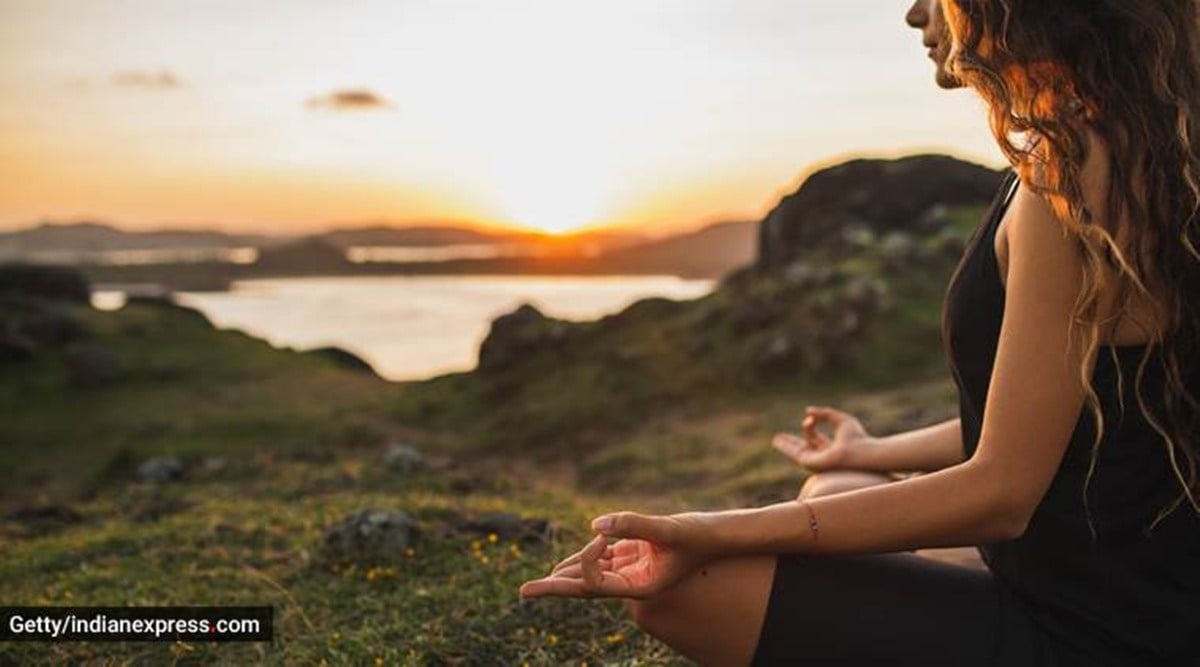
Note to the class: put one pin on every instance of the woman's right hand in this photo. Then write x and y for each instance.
(816, 451)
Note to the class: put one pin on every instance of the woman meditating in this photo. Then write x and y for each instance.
(1072, 326)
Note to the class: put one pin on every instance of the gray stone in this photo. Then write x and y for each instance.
(160, 469)
(372, 535)
(403, 458)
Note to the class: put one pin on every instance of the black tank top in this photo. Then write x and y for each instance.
(1128, 596)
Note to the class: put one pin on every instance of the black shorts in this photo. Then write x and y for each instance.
(895, 609)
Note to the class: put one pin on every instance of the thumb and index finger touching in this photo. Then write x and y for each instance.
(632, 525)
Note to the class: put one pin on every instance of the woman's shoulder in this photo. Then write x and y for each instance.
(1031, 205)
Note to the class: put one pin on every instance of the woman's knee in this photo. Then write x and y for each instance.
(650, 614)
(713, 616)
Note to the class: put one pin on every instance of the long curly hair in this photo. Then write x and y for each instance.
(1053, 72)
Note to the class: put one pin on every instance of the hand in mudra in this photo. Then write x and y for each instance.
(655, 553)
(816, 451)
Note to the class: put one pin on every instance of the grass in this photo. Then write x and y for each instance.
(253, 538)
(173, 386)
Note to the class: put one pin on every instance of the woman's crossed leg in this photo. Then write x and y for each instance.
(847, 610)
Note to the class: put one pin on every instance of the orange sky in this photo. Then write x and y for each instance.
(297, 115)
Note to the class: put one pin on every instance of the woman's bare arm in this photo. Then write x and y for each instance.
(1034, 402)
(926, 449)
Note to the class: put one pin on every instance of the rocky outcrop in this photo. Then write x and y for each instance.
(517, 334)
(875, 197)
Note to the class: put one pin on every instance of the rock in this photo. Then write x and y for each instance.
(160, 469)
(859, 236)
(372, 535)
(879, 195)
(897, 249)
(933, 221)
(515, 335)
(508, 526)
(865, 296)
(403, 458)
(949, 244)
(802, 274)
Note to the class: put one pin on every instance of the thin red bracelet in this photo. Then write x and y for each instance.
(812, 521)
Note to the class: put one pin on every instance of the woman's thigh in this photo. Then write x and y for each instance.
(895, 608)
(842, 610)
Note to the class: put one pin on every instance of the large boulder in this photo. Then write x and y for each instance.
(835, 206)
(514, 335)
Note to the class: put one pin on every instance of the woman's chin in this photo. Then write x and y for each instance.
(947, 80)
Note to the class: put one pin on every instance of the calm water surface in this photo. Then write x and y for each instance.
(412, 327)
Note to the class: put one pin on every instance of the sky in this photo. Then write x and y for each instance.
(289, 116)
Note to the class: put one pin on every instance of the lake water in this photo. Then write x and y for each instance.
(413, 327)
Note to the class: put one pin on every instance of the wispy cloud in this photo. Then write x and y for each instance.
(161, 79)
(351, 99)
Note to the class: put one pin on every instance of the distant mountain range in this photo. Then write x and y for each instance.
(709, 252)
(96, 236)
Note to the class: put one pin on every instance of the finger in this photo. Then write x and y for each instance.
(833, 415)
(624, 561)
(789, 445)
(625, 547)
(589, 560)
(574, 558)
(814, 437)
(611, 585)
(555, 587)
(786, 442)
(636, 525)
(576, 571)
(569, 560)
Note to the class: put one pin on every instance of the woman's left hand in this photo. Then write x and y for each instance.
(652, 554)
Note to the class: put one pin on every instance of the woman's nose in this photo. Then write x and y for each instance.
(918, 14)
